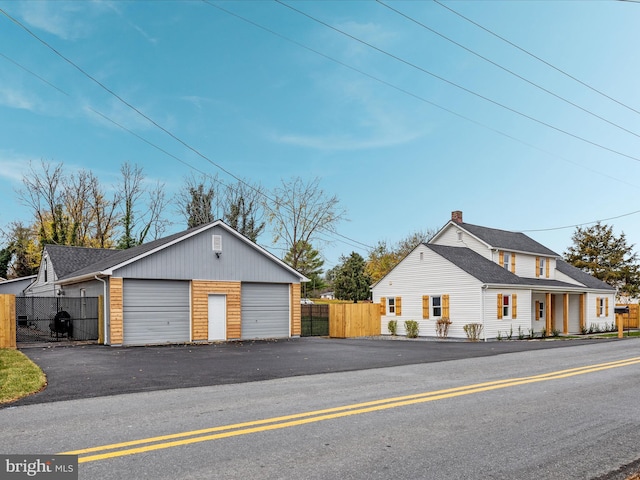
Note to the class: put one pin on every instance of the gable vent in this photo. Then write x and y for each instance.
(217, 243)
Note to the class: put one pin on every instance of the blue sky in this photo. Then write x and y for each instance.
(269, 93)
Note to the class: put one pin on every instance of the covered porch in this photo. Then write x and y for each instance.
(564, 312)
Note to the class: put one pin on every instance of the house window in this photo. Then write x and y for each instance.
(83, 303)
(541, 268)
(391, 306)
(506, 306)
(436, 306)
(540, 310)
(601, 307)
(46, 273)
(506, 260)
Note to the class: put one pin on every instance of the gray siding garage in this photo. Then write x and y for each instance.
(156, 311)
(265, 310)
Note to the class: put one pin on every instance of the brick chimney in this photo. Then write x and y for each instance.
(456, 216)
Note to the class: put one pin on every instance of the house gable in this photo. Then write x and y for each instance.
(195, 258)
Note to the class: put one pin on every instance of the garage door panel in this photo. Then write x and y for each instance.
(156, 311)
(265, 310)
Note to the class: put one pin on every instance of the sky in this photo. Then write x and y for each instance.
(523, 115)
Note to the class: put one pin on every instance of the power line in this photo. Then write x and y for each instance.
(153, 122)
(406, 62)
(511, 72)
(411, 94)
(572, 77)
(581, 224)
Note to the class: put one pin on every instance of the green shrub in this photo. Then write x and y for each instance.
(543, 333)
(412, 328)
(520, 333)
(393, 327)
(555, 332)
(473, 331)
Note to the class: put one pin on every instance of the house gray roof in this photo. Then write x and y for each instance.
(491, 273)
(505, 240)
(66, 259)
(582, 277)
(476, 265)
(120, 256)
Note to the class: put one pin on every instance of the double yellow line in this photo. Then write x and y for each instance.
(215, 433)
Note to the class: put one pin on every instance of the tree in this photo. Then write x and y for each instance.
(195, 200)
(301, 211)
(137, 224)
(599, 252)
(309, 264)
(243, 209)
(351, 281)
(382, 258)
(25, 253)
(42, 194)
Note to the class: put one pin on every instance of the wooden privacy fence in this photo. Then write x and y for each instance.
(631, 319)
(348, 320)
(7, 321)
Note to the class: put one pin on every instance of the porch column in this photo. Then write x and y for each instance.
(548, 312)
(565, 313)
(582, 319)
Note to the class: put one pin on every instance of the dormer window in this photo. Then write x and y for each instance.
(506, 259)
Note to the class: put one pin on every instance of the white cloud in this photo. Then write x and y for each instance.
(15, 99)
(13, 167)
(62, 19)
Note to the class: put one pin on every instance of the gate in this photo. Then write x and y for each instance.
(314, 320)
(46, 319)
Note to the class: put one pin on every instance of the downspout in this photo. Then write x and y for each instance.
(104, 313)
(482, 295)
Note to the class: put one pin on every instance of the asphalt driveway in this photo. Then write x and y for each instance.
(84, 371)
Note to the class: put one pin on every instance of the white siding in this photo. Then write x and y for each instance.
(39, 287)
(433, 275)
(522, 322)
(591, 317)
(449, 237)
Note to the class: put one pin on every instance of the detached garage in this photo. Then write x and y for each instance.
(208, 283)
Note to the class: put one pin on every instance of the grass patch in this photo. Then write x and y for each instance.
(631, 333)
(19, 376)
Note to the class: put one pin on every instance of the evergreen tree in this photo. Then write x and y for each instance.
(309, 264)
(599, 252)
(351, 281)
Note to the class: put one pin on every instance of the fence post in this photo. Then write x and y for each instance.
(7, 321)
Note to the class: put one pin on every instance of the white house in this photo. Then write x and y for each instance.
(503, 280)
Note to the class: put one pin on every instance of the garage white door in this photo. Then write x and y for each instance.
(155, 311)
(265, 310)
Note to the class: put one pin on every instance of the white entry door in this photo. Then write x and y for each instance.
(217, 317)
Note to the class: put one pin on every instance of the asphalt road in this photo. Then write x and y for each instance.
(553, 413)
(85, 371)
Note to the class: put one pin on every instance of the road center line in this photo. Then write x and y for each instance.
(245, 428)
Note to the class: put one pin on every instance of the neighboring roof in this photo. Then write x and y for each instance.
(66, 259)
(28, 278)
(120, 258)
(505, 240)
(582, 277)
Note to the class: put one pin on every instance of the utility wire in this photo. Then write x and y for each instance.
(412, 65)
(581, 224)
(511, 72)
(532, 55)
(347, 239)
(150, 120)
